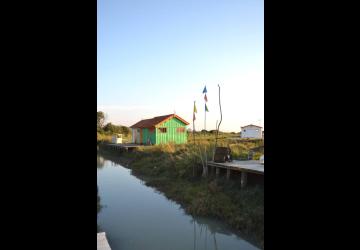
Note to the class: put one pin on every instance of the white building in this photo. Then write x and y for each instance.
(251, 131)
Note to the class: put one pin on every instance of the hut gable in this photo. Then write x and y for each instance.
(156, 121)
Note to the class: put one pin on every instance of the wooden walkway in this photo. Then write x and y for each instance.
(102, 243)
(121, 146)
(244, 167)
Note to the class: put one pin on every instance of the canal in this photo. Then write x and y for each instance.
(137, 217)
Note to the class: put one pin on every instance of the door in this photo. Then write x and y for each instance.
(137, 139)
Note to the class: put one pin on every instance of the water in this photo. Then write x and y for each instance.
(138, 217)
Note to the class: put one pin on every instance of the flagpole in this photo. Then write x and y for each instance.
(194, 123)
(205, 169)
(205, 121)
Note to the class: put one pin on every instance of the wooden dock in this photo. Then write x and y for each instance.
(244, 167)
(102, 243)
(120, 146)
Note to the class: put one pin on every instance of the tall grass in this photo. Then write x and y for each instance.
(106, 138)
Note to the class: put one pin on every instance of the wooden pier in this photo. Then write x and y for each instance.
(244, 167)
(102, 243)
(120, 146)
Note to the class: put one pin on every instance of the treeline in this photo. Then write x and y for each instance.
(109, 128)
(203, 131)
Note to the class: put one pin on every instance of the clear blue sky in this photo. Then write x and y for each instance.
(155, 57)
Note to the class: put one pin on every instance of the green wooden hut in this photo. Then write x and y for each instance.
(160, 129)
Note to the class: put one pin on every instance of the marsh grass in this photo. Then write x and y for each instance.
(106, 138)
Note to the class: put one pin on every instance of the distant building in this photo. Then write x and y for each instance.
(251, 131)
(160, 129)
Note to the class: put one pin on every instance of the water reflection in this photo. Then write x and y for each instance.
(205, 229)
(135, 216)
(100, 161)
(98, 205)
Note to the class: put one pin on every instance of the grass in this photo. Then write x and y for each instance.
(175, 170)
(103, 137)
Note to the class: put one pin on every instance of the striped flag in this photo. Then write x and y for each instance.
(205, 98)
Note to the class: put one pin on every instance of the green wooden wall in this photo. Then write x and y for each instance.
(171, 134)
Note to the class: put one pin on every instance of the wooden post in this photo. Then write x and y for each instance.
(243, 179)
(217, 172)
(228, 173)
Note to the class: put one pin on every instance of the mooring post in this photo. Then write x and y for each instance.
(243, 179)
(217, 172)
(228, 173)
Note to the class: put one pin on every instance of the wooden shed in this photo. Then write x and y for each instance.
(160, 129)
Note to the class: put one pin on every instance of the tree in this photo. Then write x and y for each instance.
(115, 129)
(111, 128)
(100, 120)
(124, 130)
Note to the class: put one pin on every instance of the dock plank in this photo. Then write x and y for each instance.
(102, 243)
(246, 166)
(124, 145)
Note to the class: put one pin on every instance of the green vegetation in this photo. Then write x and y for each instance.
(114, 129)
(105, 131)
(176, 169)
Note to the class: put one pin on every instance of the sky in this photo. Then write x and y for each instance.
(155, 57)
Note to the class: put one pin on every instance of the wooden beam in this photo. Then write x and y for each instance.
(217, 171)
(243, 179)
(228, 173)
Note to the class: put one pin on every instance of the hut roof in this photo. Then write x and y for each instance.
(149, 123)
(251, 125)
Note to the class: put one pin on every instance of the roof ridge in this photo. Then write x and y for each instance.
(152, 122)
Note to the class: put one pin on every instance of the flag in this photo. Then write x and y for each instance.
(205, 98)
(206, 109)
(204, 91)
(195, 111)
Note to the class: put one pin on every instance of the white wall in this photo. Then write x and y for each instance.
(133, 135)
(251, 132)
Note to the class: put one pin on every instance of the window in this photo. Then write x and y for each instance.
(257, 130)
(162, 130)
(180, 130)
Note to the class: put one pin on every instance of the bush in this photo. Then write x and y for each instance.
(103, 138)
